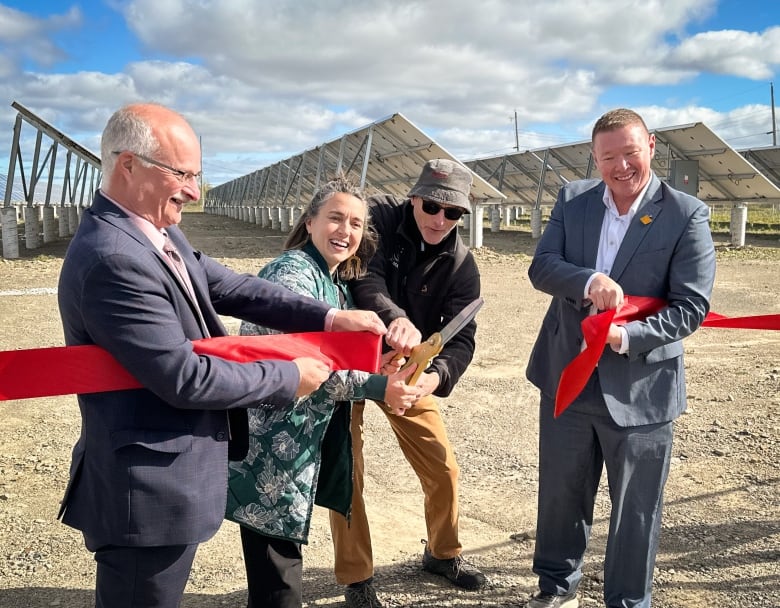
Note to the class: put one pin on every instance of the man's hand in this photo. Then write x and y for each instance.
(615, 337)
(604, 293)
(427, 383)
(358, 320)
(402, 336)
(312, 372)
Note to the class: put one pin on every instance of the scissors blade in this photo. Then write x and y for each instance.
(460, 320)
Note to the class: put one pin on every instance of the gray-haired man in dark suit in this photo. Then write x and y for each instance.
(148, 479)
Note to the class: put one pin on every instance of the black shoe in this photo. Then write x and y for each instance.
(456, 569)
(362, 595)
(550, 600)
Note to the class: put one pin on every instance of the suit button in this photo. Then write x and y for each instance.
(221, 436)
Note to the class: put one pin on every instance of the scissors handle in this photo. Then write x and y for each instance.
(422, 355)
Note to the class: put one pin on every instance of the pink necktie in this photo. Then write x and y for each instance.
(173, 255)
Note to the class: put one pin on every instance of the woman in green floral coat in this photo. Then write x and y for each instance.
(303, 455)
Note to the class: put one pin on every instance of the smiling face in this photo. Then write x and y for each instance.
(167, 194)
(623, 157)
(336, 231)
(153, 191)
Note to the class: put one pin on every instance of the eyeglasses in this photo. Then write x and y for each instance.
(451, 213)
(182, 176)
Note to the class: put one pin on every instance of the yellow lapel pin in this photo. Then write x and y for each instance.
(646, 219)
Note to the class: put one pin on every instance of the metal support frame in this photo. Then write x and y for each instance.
(63, 185)
(385, 156)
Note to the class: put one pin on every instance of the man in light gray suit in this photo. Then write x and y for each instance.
(148, 479)
(627, 233)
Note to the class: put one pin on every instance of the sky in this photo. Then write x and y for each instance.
(263, 80)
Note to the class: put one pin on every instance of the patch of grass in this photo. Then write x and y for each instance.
(761, 219)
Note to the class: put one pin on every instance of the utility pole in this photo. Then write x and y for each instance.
(517, 137)
(774, 127)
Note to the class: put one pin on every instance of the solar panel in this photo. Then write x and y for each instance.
(385, 156)
(724, 175)
(767, 160)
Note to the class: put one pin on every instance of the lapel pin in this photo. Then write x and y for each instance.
(646, 219)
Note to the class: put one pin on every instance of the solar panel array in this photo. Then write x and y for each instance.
(385, 156)
(724, 175)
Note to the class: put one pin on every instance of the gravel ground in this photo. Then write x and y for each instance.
(720, 544)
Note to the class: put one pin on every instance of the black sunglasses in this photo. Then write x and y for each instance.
(451, 213)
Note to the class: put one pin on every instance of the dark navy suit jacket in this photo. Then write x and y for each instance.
(669, 254)
(150, 466)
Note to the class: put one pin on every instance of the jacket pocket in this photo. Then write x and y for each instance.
(169, 442)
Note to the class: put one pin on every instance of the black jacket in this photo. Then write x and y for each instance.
(428, 292)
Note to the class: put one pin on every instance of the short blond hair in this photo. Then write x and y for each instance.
(617, 119)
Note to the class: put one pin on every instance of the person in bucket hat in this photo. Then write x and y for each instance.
(446, 182)
(421, 276)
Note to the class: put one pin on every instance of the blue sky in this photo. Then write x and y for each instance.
(261, 81)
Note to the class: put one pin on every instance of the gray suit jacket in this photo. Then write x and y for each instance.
(150, 466)
(671, 257)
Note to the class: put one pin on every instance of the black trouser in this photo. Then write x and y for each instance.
(274, 571)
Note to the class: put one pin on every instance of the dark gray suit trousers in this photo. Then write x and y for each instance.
(142, 577)
(576, 446)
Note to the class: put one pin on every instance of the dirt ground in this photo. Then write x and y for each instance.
(720, 544)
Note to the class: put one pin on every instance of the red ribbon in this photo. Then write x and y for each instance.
(596, 327)
(62, 370)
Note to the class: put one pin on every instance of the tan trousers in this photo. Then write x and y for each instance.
(423, 441)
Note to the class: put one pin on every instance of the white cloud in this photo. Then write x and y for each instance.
(746, 54)
(23, 37)
(264, 80)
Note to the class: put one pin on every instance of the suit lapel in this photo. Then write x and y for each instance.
(593, 217)
(108, 212)
(185, 250)
(192, 298)
(202, 307)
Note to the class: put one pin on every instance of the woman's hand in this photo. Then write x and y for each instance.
(391, 363)
(399, 396)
